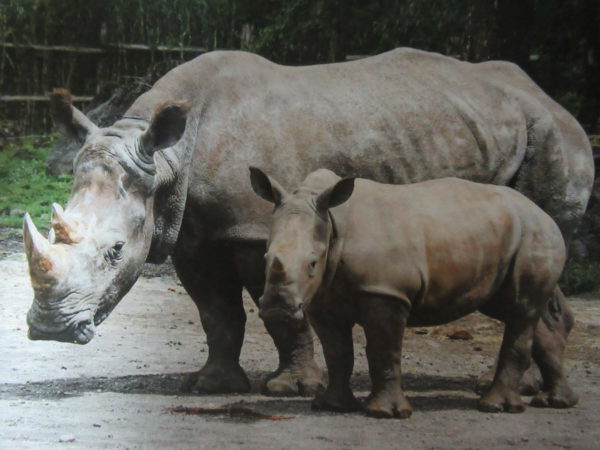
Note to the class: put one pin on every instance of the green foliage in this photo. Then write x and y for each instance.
(580, 277)
(25, 187)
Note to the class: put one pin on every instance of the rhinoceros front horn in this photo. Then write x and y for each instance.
(65, 229)
(37, 249)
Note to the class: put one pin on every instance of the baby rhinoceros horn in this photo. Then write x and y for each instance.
(277, 272)
(65, 229)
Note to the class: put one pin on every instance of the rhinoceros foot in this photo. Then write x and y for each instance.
(337, 401)
(388, 405)
(216, 378)
(306, 381)
(499, 399)
(560, 397)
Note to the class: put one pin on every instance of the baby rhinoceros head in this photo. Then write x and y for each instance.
(299, 240)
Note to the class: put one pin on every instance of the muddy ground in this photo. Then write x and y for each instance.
(117, 391)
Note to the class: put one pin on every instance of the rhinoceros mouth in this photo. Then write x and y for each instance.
(281, 314)
(81, 334)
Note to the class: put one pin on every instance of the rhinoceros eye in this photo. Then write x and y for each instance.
(115, 252)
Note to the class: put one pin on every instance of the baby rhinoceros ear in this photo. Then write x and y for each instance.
(335, 195)
(266, 187)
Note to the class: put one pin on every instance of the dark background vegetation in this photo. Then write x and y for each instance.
(556, 41)
(107, 50)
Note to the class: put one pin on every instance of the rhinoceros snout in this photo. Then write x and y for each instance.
(277, 308)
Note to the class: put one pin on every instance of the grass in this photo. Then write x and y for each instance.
(25, 186)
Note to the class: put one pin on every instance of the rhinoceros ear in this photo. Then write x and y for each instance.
(167, 127)
(69, 120)
(335, 195)
(266, 187)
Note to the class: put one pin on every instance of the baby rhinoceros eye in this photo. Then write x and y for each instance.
(311, 267)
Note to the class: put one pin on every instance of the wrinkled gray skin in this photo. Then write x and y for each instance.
(403, 116)
(413, 255)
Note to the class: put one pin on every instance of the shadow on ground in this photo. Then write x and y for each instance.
(170, 383)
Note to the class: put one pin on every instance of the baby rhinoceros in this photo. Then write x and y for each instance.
(386, 257)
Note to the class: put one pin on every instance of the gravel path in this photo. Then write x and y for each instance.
(117, 391)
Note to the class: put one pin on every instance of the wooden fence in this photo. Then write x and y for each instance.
(28, 71)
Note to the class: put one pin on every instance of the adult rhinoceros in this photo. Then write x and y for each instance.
(170, 178)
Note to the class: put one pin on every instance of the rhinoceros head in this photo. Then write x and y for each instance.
(299, 240)
(98, 243)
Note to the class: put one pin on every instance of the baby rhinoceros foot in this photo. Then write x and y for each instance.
(216, 378)
(559, 397)
(305, 381)
(336, 401)
(501, 400)
(387, 406)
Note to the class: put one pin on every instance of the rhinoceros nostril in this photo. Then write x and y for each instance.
(84, 332)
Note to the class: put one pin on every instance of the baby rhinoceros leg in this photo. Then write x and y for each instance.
(384, 320)
(338, 349)
(514, 359)
(548, 351)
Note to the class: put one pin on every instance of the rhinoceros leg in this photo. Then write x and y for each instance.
(548, 348)
(336, 338)
(514, 359)
(384, 321)
(217, 292)
(298, 373)
(549, 342)
(531, 382)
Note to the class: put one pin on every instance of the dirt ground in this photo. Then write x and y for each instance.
(117, 391)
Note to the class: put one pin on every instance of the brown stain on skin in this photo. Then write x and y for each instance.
(46, 265)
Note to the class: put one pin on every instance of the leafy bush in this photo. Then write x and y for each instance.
(25, 186)
(580, 276)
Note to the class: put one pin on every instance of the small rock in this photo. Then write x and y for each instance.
(16, 212)
(67, 438)
(462, 335)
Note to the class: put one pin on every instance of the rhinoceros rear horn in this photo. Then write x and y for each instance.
(37, 249)
(65, 229)
(69, 120)
(166, 129)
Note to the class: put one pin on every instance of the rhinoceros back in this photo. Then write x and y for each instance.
(445, 242)
(399, 117)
